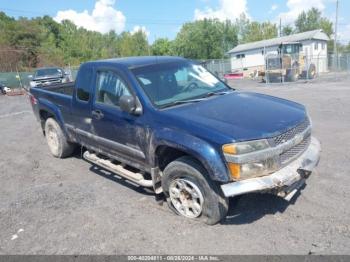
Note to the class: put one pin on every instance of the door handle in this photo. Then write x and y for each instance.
(97, 114)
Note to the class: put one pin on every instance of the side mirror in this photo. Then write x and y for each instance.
(130, 105)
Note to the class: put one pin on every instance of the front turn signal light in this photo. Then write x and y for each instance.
(235, 170)
(229, 149)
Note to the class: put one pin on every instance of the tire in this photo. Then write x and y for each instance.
(293, 74)
(56, 140)
(312, 71)
(272, 78)
(205, 202)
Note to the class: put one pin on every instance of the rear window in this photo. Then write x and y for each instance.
(83, 83)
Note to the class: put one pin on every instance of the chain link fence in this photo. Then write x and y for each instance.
(219, 67)
(14, 79)
(277, 69)
(280, 68)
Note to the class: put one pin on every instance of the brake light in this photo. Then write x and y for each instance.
(33, 100)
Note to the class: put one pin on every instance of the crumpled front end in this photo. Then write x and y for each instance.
(284, 181)
(279, 164)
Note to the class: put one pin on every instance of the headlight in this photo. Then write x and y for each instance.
(255, 169)
(245, 147)
(251, 169)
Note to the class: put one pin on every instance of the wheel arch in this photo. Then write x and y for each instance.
(164, 150)
(49, 110)
(166, 154)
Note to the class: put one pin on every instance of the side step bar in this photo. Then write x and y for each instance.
(118, 169)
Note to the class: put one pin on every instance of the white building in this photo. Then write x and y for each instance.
(251, 56)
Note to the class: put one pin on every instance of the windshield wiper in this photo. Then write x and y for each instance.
(215, 94)
(180, 102)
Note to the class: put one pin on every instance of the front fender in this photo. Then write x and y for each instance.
(194, 146)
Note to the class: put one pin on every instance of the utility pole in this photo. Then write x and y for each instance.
(280, 26)
(335, 51)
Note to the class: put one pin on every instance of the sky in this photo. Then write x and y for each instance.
(163, 18)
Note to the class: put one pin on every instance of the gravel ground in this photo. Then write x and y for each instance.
(53, 206)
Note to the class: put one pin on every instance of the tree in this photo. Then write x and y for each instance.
(230, 36)
(205, 39)
(259, 31)
(42, 41)
(135, 44)
(242, 24)
(6, 23)
(287, 30)
(251, 31)
(326, 26)
(26, 35)
(140, 43)
(162, 46)
(313, 20)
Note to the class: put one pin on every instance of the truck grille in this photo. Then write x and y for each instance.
(295, 151)
(48, 81)
(292, 132)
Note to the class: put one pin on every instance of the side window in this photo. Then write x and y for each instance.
(316, 46)
(83, 83)
(109, 88)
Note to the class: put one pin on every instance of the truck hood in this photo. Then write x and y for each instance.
(239, 116)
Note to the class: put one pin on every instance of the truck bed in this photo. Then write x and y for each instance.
(59, 95)
(64, 89)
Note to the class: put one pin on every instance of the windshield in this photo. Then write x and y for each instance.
(291, 48)
(49, 72)
(168, 83)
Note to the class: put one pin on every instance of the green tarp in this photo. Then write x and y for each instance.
(12, 79)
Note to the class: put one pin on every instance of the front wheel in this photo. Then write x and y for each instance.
(191, 194)
(293, 74)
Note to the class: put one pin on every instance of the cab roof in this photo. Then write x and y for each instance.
(139, 61)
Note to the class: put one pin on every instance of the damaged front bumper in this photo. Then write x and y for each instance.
(284, 181)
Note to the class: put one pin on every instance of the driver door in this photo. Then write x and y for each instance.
(117, 131)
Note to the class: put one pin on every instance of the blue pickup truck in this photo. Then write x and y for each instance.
(168, 124)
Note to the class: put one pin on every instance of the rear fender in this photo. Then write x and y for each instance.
(48, 106)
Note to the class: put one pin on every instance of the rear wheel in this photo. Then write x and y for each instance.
(191, 194)
(56, 140)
